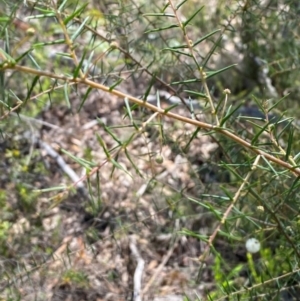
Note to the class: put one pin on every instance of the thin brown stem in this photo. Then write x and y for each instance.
(207, 126)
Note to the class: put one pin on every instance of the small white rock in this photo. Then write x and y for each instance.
(252, 245)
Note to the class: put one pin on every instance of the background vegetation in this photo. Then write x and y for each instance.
(149, 138)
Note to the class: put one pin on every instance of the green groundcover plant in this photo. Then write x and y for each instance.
(196, 108)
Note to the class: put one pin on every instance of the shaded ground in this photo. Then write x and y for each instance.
(87, 239)
(157, 196)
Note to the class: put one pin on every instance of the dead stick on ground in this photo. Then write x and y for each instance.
(138, 273)
(62, 164)
(156, 274)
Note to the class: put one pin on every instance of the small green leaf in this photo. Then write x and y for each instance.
(170, 107)
(177, 51)
(75, 13)
(109, 132)
(7, 58)
(270, 166)
(212, 51)
(78, 67)
(61, 7)
(158, 99)
(34, 62)
(201, 95)
(209, 74)
(119, 166)
(128, 109)
(115, 84)
(183, 46)
(227, 192)
(188, 81)
(43, 16)
(258, 103)
(292, 188)
(86, 164)
(103, 145)
(162, 28)
(229, 114)
(206, 37)
(23, 55)
(166, 6)
(43, 10)
(152, 82)
(35, 80)
(133, 164)
(51, 189)
(66, 93)
(63, 54)
(191, 139)
(194, 234)
(192, 16)
(278, 102)
(129, 140)
(79, 30)
(180, 4)
(262, 129)
(60, 41)
(84, 98)
(287, 122)
(213, 73)
(88, 64)
(159, 15)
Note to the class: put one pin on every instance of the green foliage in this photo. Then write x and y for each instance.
(27, 198)
(226, 283)
(205, 129)
(73, 277)
(4, 234)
